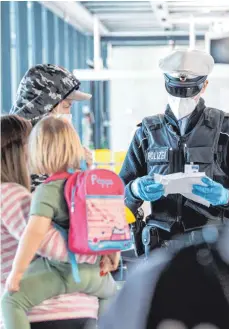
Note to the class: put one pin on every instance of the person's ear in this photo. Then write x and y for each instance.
(204, 87)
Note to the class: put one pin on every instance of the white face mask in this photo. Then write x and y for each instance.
(182, 107)
(67, 116)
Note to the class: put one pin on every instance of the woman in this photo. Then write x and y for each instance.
(51, 278)
(48, 89)
(69, 311)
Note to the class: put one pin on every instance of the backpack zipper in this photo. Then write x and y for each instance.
(73, 198)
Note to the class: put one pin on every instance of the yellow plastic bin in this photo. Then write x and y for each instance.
(103, 159)
(119, 158)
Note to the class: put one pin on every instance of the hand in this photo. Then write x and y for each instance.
(115, 259)
(88, 157)
(146, 189)
(13, 282)
(109, 263)
(213, 192)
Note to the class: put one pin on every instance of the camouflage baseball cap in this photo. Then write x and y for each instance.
(42, 88)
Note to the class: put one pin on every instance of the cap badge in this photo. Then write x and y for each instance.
(183, 77)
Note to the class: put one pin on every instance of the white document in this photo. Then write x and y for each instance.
(182, 183)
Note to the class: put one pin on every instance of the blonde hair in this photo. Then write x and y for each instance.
(14, 137)
(54, 146)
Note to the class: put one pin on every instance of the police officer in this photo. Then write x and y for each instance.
(188, 133)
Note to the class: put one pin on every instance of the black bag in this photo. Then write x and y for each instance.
(192, 290)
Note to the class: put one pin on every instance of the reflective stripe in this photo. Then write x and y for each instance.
(91, 196)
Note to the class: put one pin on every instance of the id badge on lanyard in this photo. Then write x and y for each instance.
(191, 168)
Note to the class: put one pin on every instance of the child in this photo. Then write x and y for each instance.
(54, 147)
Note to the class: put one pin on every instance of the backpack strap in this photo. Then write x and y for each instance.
(83, 165)
(64, 232)
(58, 176)
(71, 255)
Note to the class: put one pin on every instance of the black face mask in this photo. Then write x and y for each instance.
(184, 88)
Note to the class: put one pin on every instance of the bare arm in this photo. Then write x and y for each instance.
(53, 246)
(30, 242)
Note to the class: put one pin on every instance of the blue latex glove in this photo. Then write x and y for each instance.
(213, 192)
(146, 189)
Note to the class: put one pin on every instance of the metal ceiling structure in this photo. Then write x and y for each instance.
(147, 23)
(145, 18)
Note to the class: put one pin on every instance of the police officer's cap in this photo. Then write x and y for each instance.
(186, 71)
(194, 62)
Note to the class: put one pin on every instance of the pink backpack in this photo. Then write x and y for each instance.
(95, 201)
